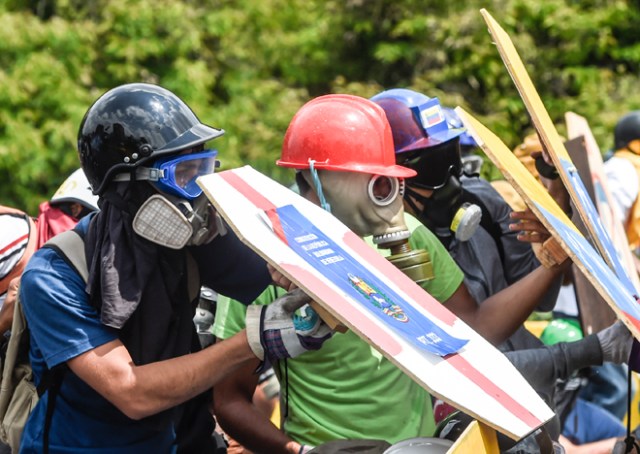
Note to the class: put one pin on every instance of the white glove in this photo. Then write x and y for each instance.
(278, 331)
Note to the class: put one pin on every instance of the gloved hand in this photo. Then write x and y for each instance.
(278, 332)
(615, 342)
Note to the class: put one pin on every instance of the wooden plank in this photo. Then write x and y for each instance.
(577, 126)
(595, 313)
(477, 438)
(476, 378)
(577, 149)
(553, 144)
(584, 256)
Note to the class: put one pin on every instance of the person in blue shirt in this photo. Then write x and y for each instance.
(124, 338)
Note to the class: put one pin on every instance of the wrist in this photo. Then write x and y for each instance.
(239, 346)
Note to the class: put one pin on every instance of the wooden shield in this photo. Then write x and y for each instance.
(370, 296)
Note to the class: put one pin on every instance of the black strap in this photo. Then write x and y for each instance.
(51, 379)
(546, 170)
(55, 377)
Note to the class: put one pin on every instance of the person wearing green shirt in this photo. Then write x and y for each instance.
(342, 149)
(325, 391)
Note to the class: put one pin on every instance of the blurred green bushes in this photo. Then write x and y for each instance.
(247, 66)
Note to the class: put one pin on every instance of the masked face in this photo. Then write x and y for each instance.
(444, 210)
(367, 204)
(180, 214)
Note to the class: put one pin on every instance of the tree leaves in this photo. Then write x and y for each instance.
(247, 66)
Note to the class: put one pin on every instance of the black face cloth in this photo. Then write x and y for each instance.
(139, 287)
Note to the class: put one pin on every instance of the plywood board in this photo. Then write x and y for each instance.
(595, 314)
(578, 126)
(477, 439)
(593, 310)
(588, 260)
(376, 300)
(553, 144)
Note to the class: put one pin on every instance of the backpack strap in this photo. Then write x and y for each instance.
(70, 246)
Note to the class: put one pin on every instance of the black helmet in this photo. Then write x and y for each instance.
(133, 124)
(627, 130)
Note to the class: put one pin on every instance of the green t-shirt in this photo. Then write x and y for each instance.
(347, 389)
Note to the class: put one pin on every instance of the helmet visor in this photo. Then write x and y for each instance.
(433, 165)
(179, 173)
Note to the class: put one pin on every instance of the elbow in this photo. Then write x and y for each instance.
(130, 400)
(228, 403)
(134, 412)
(222, 408)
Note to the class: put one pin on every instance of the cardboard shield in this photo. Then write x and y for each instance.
(369, 295)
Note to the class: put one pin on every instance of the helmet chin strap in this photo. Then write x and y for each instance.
(318, 186)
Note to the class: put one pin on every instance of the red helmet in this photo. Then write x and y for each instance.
(342, 133)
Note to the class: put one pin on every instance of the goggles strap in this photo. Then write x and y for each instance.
(141, 173)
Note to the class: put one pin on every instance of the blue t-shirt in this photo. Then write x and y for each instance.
(62, 326)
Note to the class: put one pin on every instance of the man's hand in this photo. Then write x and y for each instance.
(285, 328)
(280, 279)
(546, 248)
(531, 230)
(616, 342)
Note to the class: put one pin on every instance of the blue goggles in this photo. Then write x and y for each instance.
(177, 174)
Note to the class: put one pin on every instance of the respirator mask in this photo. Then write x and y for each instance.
(372, 205)
(445, 212)
(180, 215)
(367, 204)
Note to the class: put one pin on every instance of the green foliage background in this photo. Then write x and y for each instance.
(247, 66)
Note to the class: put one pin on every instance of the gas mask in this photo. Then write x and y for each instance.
(367, 204)
(372, 205)
(180, 214)
(445, 212)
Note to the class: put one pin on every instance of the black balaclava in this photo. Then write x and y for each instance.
(138, 287)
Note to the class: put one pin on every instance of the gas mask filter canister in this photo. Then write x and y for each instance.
(466, 221)
(176, 225)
